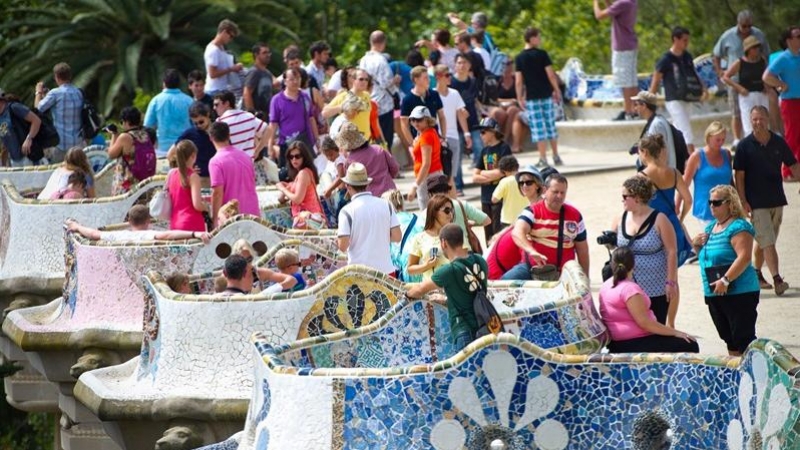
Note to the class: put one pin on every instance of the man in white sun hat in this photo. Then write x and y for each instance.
(367, 225)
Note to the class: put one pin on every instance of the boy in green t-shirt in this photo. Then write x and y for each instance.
(461, 279)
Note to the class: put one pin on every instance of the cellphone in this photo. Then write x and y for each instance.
(435, 252)
(110, 128)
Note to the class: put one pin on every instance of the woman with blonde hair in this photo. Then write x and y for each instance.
(667, 182)
(74, 161)
(712, 165)
(183, 185)
(426, 253)
(650, 236)
(730, 282)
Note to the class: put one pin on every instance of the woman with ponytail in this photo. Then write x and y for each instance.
(625, 309)
(183, 184)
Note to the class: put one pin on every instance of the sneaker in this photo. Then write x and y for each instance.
(762, 282)
(557, 160)
(780, 285)
(542, 163)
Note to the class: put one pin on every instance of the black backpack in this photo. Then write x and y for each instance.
(46, 137)
(681, 149)
(490, 90)
(91, 121)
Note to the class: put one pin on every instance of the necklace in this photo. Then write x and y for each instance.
(720, 224)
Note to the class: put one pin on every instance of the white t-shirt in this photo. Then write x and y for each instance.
(219, 58)
(335, 83)
(451, 103)
(128, 235)
(487, 60)
(369, 225)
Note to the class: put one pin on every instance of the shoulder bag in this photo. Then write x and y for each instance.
(161, 203)
(474, 242)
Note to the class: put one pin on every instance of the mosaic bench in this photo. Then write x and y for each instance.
(98, 319)
(35, 177)
(560, 315)
(506, 393)
(591, 101)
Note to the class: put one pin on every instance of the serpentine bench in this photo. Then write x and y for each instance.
(194, 371)
(98, 319)
(507, 393)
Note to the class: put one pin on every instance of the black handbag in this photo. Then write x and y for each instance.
(715, 273)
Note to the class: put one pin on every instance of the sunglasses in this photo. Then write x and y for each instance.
(294, 156)
(362, 79)
(447, 210)
(716, 203)
(527, 183)
(445, 75)
(626, 196)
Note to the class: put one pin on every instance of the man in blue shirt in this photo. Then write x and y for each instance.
(783, 74)
(168, 112)
(65, 104)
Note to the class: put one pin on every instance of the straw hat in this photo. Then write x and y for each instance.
(750, 42)
(349, 137)
(646, 97)
(357, 175)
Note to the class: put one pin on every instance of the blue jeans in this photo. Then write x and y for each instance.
(519, 272)
(462, 340)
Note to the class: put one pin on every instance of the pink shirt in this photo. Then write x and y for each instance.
(232, 169)
(614, 309)
(183, 215)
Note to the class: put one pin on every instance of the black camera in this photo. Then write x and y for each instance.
(607, 238)
(634, 150)
(110, 128)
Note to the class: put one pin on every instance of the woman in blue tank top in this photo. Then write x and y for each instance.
(708, 167)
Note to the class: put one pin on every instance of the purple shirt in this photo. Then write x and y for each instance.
(233, 169)
(623, 19)
(381, 167)
(291, 116)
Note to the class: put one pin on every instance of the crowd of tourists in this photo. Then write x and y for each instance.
(323, 136)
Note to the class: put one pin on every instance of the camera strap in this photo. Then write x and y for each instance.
(560, 251)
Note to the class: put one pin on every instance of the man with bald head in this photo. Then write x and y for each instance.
(384, 83)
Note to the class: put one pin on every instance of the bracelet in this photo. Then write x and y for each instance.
(672, 283)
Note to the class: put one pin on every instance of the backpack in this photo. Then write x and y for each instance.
(498, 62)
(681, 149)
(489, 90)
(486, 316)
(46, 137)
(144, 162)
(91, 121)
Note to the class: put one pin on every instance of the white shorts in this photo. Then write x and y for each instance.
(623, 68)
(680, 112)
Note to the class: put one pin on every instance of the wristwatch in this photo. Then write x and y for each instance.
(725, 281)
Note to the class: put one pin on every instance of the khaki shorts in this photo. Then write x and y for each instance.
(767, 223)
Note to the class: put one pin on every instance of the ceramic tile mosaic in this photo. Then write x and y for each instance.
(503, 387)
(37, 248)
(103, 290)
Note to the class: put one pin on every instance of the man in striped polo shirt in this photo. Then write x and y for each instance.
(536, 232)
(247, 131)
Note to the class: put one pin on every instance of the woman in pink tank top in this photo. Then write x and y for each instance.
(301, 189)
(183, 185)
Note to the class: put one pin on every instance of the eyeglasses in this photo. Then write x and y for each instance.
(527, 183)
(626, 196)
(447, 210)
(294, 156)
(716, 203)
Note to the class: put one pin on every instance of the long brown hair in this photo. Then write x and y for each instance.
(308, 161)
(183, 151)
(76, 160)
(436, 203)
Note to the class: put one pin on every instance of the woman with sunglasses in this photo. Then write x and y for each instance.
(426, 253)
(359, 87)
(730, 283)
(650, 236)
(301, 188)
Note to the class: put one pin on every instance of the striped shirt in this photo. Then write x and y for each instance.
(65, 104)
(244, 129)
(544, 230)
